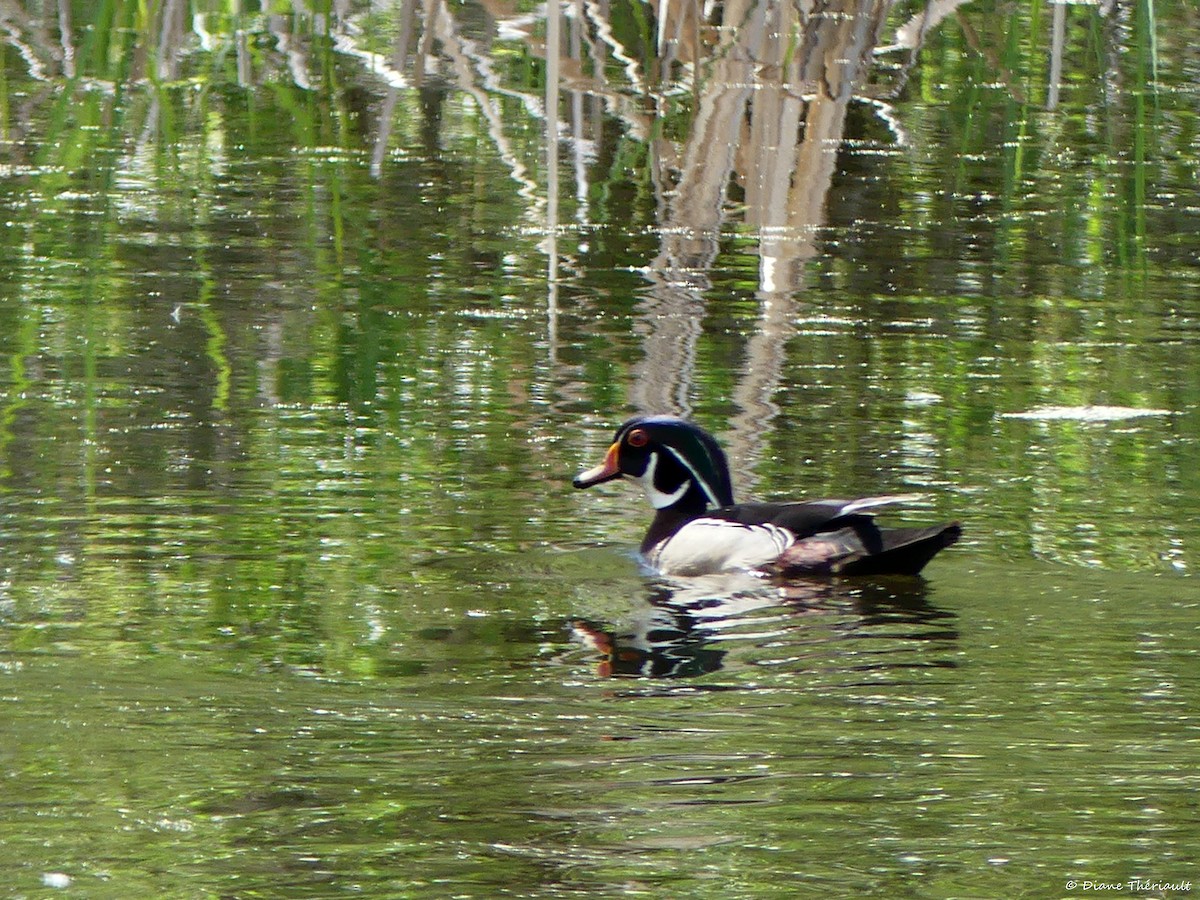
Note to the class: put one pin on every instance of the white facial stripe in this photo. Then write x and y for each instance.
(657, 498)
(696, 476)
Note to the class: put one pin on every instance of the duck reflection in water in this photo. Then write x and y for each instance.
(682, 630)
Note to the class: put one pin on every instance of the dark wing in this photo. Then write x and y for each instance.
(807, 518)
(836, 536)
(891, 551)
(905, 550)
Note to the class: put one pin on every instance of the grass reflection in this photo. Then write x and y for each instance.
(300, 255)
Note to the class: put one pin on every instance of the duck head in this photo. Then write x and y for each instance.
(678, 464)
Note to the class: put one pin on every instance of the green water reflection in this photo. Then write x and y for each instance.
(295, 598)
(1012, 744)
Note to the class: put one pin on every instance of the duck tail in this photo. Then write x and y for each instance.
(905, 551)
(862, 548)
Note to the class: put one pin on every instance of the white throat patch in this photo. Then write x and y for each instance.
(657, 498)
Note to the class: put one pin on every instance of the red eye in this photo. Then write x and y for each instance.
(637, 438)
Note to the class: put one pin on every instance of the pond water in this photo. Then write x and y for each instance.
(306, 327)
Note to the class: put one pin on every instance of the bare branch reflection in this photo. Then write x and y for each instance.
(769, 118)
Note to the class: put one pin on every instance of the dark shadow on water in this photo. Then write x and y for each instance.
(683, 631)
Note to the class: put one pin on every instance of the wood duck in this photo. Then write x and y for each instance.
(699, 530)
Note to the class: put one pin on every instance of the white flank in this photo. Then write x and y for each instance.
(708, 546)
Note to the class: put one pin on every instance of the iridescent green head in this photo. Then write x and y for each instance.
(673, 460)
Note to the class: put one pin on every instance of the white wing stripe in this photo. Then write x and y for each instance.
(854, 506)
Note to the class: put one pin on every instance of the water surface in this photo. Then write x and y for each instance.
(306, 326)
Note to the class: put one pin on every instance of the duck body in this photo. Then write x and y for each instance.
(699, 530)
